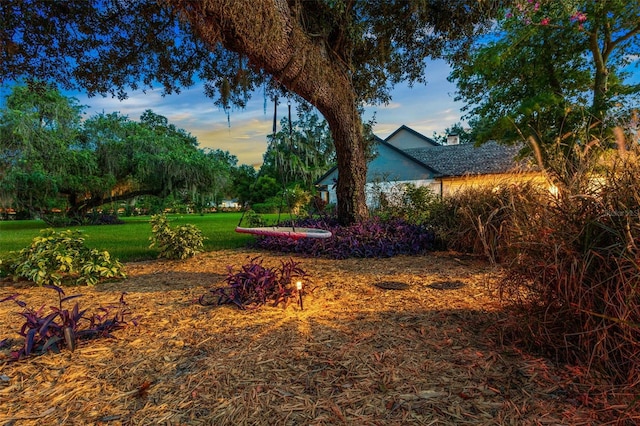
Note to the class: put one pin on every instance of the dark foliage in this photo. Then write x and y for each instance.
(103, 219)
(370, 238)
(44, 332)
(57, 220)
(256, 285)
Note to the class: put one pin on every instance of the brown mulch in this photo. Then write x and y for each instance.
(424, 351)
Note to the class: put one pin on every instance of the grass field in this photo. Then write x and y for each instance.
(130, 242)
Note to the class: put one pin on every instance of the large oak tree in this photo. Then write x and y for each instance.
(338, 55)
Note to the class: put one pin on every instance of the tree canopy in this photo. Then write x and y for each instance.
(49, 158)
(551, 70)
(465, 135)
(336, 55)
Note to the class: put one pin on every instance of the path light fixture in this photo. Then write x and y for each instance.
(299, 287)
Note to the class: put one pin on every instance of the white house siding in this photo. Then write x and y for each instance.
(372, 189)
(229, 204)
(390, 188)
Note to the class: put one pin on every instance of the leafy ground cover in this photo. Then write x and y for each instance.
(418, 353)
(371, 238)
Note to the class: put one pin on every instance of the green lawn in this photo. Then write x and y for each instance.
(130, 242)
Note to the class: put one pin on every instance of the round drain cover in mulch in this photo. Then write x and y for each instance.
(392, 285)
(446, 285)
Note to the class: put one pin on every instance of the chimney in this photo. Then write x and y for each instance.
(453, 139)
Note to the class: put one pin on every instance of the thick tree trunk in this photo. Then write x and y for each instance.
(267, 33)
(346, 129)
(80, 206)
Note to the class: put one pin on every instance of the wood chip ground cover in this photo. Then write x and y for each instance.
(358, 354)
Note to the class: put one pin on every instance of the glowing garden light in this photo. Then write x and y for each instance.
(299, 287)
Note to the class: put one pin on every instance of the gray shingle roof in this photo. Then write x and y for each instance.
(467, 159)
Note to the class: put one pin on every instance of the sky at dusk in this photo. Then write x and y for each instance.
(425, 108)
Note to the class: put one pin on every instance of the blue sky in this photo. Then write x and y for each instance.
(425, 108)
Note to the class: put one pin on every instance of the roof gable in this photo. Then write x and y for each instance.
(397, 164)
(406, 138)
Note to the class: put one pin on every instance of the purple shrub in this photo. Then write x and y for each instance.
(44, 331)
(255, 285)
(371, 238)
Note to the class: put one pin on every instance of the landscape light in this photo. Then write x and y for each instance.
(299, 287)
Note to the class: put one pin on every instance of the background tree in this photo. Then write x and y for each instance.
(149, 159)
(552, 70)
(42, 151)
(48, 158)
(243, 179)
(336, 55)
(224, 164)
(264, 188)
(301, 151)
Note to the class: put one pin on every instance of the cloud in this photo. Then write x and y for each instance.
(246, 138)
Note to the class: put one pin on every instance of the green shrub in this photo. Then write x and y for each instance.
(272, 205)
(408, 202)
(181, 242)
(251, 219)
(384, 197)
(297, 200)
(61, 257)
(7, 264)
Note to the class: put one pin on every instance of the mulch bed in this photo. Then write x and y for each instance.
(358, 354)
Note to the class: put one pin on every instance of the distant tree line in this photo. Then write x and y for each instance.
(52, 160)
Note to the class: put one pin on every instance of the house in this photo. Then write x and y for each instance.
(407, 156)
(229, 204)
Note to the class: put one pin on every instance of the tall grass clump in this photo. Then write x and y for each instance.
(574, 260)
(570, 250)
(482, 220)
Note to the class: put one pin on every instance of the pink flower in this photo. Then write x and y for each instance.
(578, 17)
(545, 21)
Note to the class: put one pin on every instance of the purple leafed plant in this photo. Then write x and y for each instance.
(255, 285)
(370, 238)
(47, 331)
